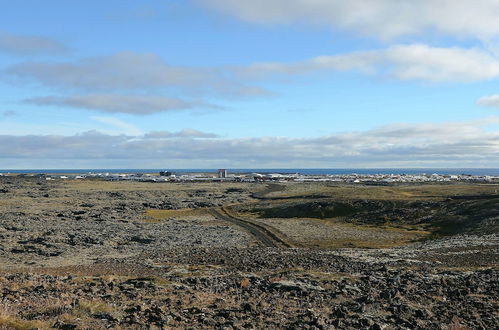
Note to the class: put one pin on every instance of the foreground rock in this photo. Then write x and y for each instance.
(325, 293)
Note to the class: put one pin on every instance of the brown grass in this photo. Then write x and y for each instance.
(396, 235)
(93, 307)
(12, 322)
(400, 192)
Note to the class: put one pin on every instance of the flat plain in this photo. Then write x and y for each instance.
(100, 254)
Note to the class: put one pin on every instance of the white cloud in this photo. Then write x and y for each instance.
(384, 19)
(123, 127)
(129, 75)
(122, 70)
(404, 62)
(130, 82)
(185, 133)
(452, 144)
(130, 71)
(489, 101)
(113, 103)
(126, 78)
(29, 45)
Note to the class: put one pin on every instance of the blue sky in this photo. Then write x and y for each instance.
(212, 83)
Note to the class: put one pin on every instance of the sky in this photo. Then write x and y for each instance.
(249, 84)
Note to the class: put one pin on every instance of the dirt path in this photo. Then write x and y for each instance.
(262, 234)
(273, 187)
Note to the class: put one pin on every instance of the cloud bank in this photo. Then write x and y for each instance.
(185, 133)
(489, 101)
(131, 74)
(402, 62)
(129, 71)
(128, 82)
(453, 144)
(29, 45)
(113, 103)
(383, 19)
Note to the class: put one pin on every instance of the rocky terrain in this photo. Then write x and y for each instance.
(51, 224)
(96, 255)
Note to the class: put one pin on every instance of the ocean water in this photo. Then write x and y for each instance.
(307, 171)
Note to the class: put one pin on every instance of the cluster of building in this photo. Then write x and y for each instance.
(223, 175)
(397, 178)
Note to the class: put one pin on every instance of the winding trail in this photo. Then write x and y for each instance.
(262, 234)
(272, 187)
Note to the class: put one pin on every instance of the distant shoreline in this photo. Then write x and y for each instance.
(305, 171)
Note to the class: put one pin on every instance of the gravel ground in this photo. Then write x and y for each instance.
(85, 256)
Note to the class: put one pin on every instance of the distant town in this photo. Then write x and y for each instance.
(223, 175)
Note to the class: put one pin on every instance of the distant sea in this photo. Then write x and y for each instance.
(308, 171)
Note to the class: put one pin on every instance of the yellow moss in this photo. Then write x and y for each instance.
(94, 306)
(11, 322)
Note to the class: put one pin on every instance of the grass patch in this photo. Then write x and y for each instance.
(308, 210)
(90, 307)
(335, 233)
(402, 192)
(11, 322)
(359, 244)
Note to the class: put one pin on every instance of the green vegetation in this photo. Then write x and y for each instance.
(320, 210)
